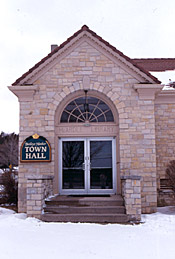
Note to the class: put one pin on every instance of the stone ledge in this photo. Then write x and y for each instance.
(130, 177)
(147, 91)
(40, 177)
(24, 92)
(165, 97)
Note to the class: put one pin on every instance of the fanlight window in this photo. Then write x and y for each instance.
(87, 109)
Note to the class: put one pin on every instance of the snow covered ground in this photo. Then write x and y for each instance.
(24, 238)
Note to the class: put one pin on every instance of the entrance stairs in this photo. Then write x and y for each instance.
(92, 209)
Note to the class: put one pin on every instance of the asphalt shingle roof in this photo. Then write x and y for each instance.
(156, 64)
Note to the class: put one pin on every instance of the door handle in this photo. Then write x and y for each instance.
(83, 166)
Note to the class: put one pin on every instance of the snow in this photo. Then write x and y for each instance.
(165, 77)
(24, 238)
(4, 212)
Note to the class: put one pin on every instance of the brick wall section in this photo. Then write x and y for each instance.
(165, 137)
(131, 192)
(38, 188)
(136, 117)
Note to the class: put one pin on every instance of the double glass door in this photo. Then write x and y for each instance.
(87, 166)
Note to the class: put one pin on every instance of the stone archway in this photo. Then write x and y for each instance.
(106, 128)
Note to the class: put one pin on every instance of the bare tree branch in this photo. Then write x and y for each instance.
(8, 150)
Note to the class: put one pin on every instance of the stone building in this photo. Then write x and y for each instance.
(107, 122)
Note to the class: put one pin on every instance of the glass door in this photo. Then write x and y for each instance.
(101, 171)
(87, 166)
(73, 166)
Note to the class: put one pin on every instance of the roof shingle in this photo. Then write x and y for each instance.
(156, 64)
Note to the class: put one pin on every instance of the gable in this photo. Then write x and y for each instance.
(86, 59)
(88, 36)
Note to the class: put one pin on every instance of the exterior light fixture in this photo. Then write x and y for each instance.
(86, 106)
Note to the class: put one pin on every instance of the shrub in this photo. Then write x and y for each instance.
(10, 183)
(8, 150)
(8, 163)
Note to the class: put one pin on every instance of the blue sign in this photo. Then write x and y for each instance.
(35, 149)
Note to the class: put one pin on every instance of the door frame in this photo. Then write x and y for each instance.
(87, 190)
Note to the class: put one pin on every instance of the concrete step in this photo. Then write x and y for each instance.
(92, 209)
(114, 200)
(87, 197)
(64, 209)
(92, 218)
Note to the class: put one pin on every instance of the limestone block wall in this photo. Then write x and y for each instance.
(131, 192)
(136, 117)
(165, 137)
(38, 188)
(137, 150)
(33, 120)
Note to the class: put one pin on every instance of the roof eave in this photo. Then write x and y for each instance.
(57, 49)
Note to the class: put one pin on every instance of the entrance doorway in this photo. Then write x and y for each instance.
(87, 166)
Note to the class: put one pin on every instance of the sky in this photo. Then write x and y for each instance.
(138, 28)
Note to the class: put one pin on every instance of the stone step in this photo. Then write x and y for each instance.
(64, 209)
(92, 218)
(114, 200)
(92, 209)
(86, 203)
(87, 197)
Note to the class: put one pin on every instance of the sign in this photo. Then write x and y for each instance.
(90, 130)
(35, 149)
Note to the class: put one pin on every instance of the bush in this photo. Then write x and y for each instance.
(8, 163)
(170, 171)
(10, 183)
(8, 150)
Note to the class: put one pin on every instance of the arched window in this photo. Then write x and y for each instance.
(87, 109)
